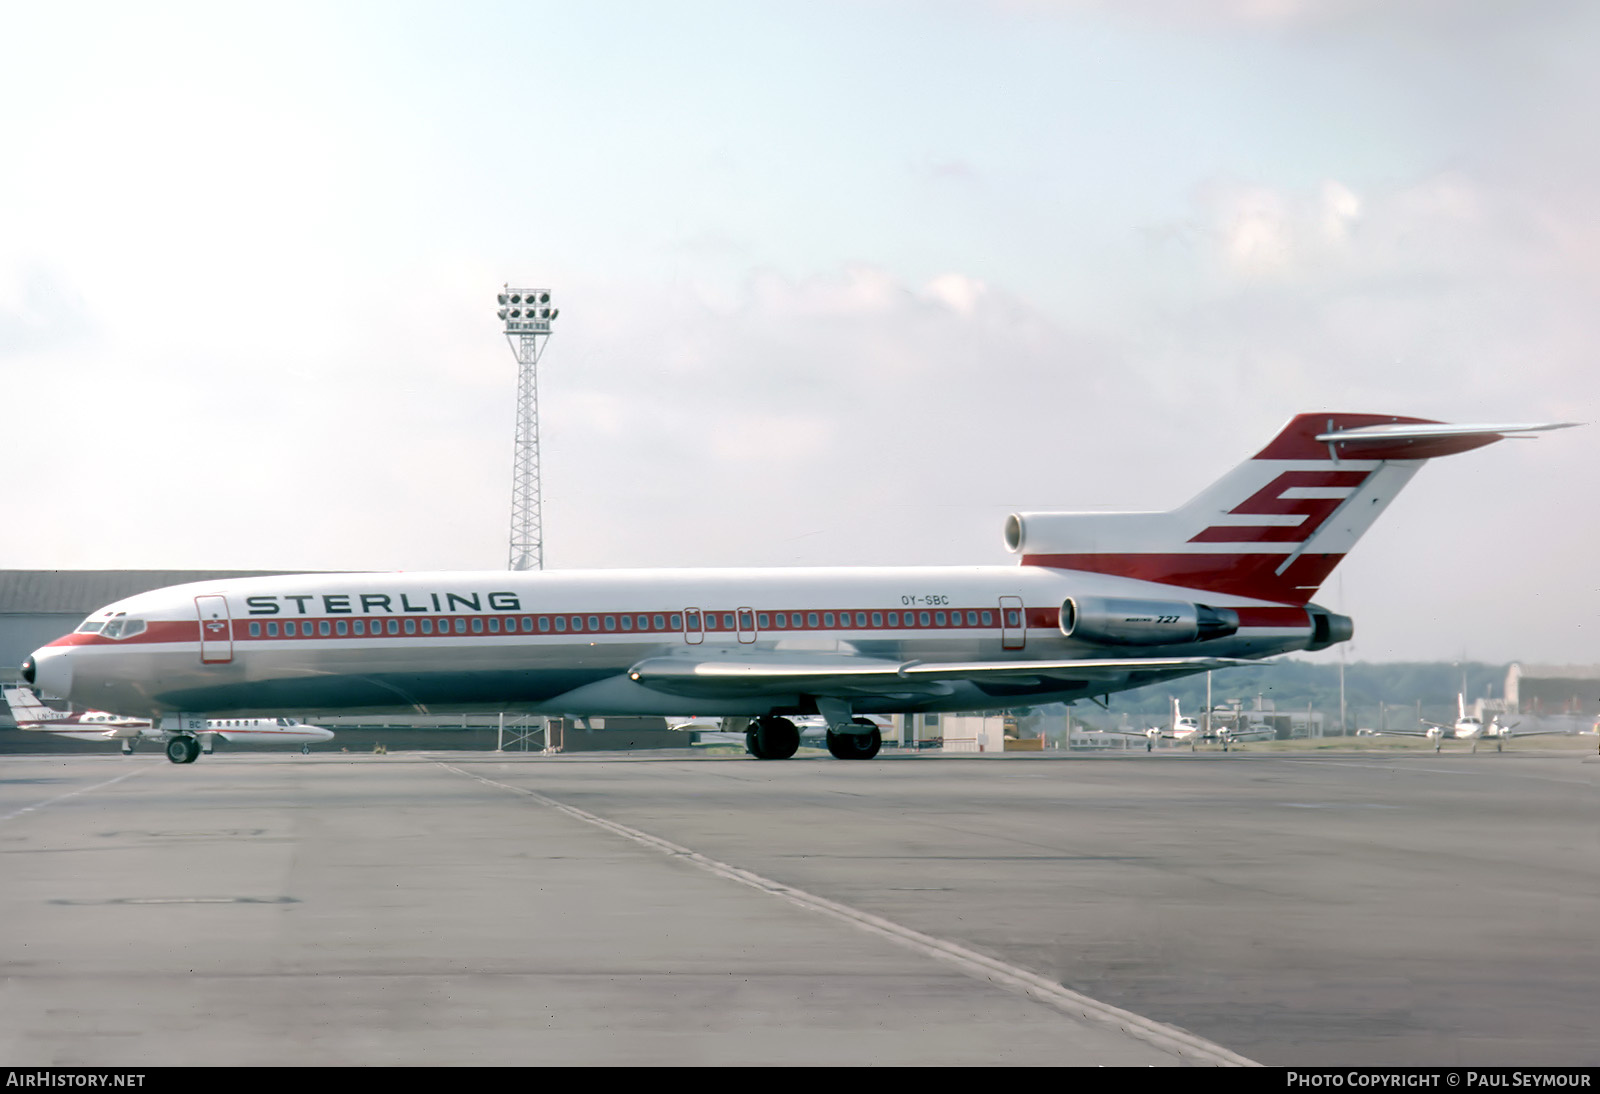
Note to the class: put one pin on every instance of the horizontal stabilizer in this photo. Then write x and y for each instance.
(1424, 440)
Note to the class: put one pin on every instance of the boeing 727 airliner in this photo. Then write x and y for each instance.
(1101, 602)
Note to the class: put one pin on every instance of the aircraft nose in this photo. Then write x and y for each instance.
(50, 672)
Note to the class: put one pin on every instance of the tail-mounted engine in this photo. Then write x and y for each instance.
(1124, 621)
(1328, 628)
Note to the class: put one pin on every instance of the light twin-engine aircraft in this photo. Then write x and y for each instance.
(1180, 727)
(1186, 728)
(1468, 727)
(1101, 602)
(97, 725)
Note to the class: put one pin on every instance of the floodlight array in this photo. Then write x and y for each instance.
(526, 314)
(527, 311)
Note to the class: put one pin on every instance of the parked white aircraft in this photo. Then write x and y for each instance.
(1468, 727)
(1252, 731)
(1179, 727)
(97, 725)
(1101, 602)
(1184, 728)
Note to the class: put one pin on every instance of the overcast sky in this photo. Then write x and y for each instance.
(840, 283)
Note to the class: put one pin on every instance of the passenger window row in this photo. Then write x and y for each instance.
(670, 622)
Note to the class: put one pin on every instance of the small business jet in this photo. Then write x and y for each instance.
(34, 716)
(1099, 603)
(1468, 727)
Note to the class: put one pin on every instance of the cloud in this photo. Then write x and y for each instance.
(38, 311)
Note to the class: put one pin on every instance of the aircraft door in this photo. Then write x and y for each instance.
(1013, 623)
(216, 630)
(747, 625)
(693, 627)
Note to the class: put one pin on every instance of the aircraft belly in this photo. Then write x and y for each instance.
(397, 680)
(89, 735)
(563, 677)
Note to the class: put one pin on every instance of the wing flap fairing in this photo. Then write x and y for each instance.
(858, 676)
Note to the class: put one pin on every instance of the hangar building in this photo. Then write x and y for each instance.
(1572, 691)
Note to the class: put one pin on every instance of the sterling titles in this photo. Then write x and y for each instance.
(382, 603)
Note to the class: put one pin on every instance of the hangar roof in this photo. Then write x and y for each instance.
(79, 592)
(1560, 672)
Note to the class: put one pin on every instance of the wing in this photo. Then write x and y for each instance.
(1512, 732)
(856, 677)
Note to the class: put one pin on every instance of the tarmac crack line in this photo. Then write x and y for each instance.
(71, 794)
(971, 962)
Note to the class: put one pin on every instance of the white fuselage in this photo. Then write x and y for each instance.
(1472, 729)
(1101, 602)
(93, 725)
(566, 642)
(1184, 729)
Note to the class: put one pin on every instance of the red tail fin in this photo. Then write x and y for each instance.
(1274, 527)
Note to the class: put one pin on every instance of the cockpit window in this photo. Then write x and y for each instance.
(119, 626)
(91, 626)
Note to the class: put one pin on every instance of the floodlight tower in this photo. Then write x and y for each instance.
(527, 315)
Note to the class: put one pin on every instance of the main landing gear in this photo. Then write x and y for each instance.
(183, 750)
(856, 746)
(775, 738)
(772, 739)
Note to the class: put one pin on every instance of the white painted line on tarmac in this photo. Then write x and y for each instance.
(71, 794)
(979, 966)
